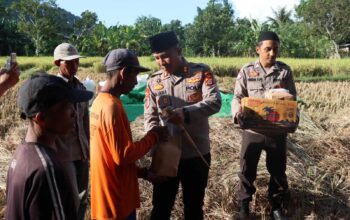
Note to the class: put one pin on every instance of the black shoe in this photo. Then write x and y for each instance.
(278, 215)
(244, 209)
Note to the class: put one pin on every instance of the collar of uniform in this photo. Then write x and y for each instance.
(260, 69)
(165, 75)
(183, 71)
(186, 67)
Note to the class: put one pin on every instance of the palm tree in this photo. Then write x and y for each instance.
(280, 16)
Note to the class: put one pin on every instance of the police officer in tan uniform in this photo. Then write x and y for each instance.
(254, 80)
(194, 96)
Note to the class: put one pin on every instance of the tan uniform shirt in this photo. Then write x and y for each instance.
(75, 145)
(254, 81)
(193, 89)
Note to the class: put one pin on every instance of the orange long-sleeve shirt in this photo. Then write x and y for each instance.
(114, 185)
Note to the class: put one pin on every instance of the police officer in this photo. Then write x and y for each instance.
(253, 80)
(194, 96)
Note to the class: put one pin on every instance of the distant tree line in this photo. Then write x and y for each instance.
(35, 27)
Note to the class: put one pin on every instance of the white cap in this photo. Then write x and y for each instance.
(66, 51)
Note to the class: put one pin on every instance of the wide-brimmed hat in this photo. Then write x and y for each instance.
(66, 51)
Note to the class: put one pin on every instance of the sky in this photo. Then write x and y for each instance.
(112, 12)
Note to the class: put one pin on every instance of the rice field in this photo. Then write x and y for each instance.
(318, 164)
(223, 66)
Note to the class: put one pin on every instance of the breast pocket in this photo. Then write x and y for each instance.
(255, 89)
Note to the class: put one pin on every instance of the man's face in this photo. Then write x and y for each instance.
(69, 68)
(268, 51)
(169, 60)
(59, 118)
(129, 80)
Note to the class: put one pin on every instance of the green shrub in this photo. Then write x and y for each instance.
(27, 73)
(99, 67)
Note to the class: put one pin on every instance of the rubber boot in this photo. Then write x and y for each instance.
(244, 209)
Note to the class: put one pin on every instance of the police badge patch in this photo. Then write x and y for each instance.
(209, 79)
(196, 97)
(193, 80)
(253, 74)
(147, 95)
(159, 86)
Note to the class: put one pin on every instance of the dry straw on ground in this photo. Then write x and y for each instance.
(318, 157)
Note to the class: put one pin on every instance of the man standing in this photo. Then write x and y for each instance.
(114, 186)
(73, 147)
(194, 96)
(254, 80)
(37, 184)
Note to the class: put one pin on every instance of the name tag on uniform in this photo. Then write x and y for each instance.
(255, 79)
(192, 88)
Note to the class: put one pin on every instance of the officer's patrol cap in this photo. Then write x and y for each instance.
(268, 35)
(119, 58)
(163, 41)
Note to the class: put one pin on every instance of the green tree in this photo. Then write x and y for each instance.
(83, 30)
(147, 26)
(246, 36)
(43, 22)
(280, 17)
(176, 26)
(212, 30)
(131, 39)
(11, 39)
(298, 41)
(325, 17)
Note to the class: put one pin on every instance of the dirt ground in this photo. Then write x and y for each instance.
(318, 165)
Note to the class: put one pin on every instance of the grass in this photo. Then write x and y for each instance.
(223, 66)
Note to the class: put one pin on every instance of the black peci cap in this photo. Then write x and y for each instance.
(163, 41)
(42, 90)
(119, 58)
(268, 35)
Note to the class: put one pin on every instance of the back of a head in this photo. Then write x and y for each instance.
(119, 58)
(41, 91)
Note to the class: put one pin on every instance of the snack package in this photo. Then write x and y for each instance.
(269, 115)
(282, 94)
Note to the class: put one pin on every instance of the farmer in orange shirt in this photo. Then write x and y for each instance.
(114, 185)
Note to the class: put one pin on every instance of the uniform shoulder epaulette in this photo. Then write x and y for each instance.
(159, 72)
(282, 64)
(200, 66)
(248, 65)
